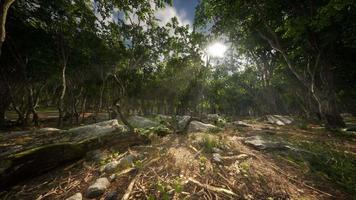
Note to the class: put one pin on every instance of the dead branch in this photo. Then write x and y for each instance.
(212, 188)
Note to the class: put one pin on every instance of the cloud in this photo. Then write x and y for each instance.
(164, 15)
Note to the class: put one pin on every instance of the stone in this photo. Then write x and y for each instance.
(98, 188)
(126, 161)
(111, 166)
(263, 144)
(76, 196)
(196, 126)
(241, 124)
(217, 158)
(112, 177)
(112, 196)
(279, 119)
(142, 122)
(97, 156)
(216, 150)
(182, 121)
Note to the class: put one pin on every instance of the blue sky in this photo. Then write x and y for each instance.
(182, 9)
(186, 7)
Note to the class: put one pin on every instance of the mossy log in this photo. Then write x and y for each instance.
(35, 161)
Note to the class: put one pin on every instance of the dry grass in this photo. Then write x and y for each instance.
(176, 167)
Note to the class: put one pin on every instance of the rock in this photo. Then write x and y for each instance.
(216, 150)
(182, 121)
(111, 166)
(164, 118)
(241, 124)
(279, 119)
(72, 145)
(126, 161)
(262, 144)
(141, 122)
(112, 196)
(196, 126)
(77, 196)
(97, 156)
(213, 117)
(112, 177)
(98, 188)
(217, 158)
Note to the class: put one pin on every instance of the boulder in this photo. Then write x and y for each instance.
(98, 188)
(77, 196)
(182, 121)
(241, 124)
(141, 122)
(213, 117)
(263, 144)
(78, 141)
(279, 119)
(196, 126)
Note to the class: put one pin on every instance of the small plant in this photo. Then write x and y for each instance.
(178, 187)
(209, 143)
(214, 130)
(162, 188)
(138, 164)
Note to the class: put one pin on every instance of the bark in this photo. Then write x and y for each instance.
(122, 117)
(20, 165)
(326, 97)
(61, 97)
(4, 8)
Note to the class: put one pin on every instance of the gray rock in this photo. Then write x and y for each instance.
(112, 196)
(241, 124)
(217, 158)
(279, 119)
(126, 161)
(142, 122)
(98, 188)
(111, 166)
(97, 156)
(182, 121)
(216, 150)
(196, 126)
(262, 144)
(213, 117)
(77, 196)
(112, 177)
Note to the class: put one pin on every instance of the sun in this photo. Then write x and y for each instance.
(217, 49)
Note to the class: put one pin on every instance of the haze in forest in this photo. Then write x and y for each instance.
(162, 99)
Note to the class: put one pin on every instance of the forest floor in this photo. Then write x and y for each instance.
(317, 164)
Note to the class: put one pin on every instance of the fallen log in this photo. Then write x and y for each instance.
(38, 160)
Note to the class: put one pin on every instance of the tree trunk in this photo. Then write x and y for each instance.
(21, 164)
(61, 97)
(4, 8)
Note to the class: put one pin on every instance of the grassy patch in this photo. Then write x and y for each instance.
(336, 166)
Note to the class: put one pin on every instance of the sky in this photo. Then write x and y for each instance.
(182, 9)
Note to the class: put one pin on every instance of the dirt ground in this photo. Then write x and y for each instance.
(183, 167)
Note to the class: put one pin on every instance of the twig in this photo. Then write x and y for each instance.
(302, 183)
(129, 188)
(212, 188)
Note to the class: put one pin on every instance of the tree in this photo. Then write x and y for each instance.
(4, 8)
(293, 30)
